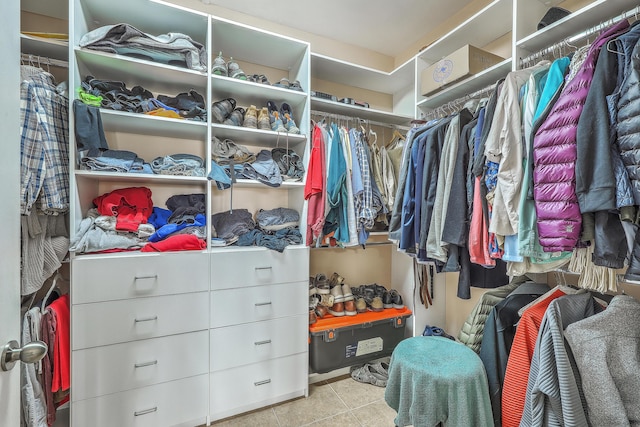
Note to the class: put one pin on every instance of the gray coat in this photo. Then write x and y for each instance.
(606, 348)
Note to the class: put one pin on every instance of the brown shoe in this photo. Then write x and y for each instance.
(337, 309)
(376, 304)
(361, 305)
(321, 311)
(312, 317)
(350, 308)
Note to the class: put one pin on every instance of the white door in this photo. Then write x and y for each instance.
(9, 206)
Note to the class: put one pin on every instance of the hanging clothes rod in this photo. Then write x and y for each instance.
(588, 32)
(41, 61)
(456, 104)
(357, 119)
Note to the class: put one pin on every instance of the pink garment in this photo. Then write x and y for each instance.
(315, 191)
(479, 232)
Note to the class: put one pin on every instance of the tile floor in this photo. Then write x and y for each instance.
(340, 402)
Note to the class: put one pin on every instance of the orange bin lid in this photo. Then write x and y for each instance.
(330, 322)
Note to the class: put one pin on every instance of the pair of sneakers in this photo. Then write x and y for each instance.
(226, 112)
(320, 297)
(281, 119)
(344, 303)
(228, 69)
(257, 119)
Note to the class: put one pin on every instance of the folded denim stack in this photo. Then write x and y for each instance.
(114, 161)
(230, 225)
(277, 241)
(178, 165)
(263, 169)
(171, 48)
(277, 219)
(290, 165)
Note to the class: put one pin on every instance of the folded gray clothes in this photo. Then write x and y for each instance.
(170, 48)
(179, 165)
(91, 238)
(264, 169)
(231, 224)
(124, 161)
(289, 163)
(292, 235)
(108, 223)
(222, 152)
(277, 219)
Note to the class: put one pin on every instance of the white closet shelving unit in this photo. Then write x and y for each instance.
(167, 319)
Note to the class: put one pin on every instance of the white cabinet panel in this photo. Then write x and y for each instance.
(121, 321)
(254, 342)
(106, 278)
(251, 304)
(262, 266)
(261, 382)
(137, 364)
(167, 404)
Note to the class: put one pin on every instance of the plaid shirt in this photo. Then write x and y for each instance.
(44, 146)
(364, 201)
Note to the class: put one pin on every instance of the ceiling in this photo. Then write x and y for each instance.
(385, 26)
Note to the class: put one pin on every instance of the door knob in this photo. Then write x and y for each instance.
(30, 353)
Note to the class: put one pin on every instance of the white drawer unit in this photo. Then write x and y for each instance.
(258, 267)
(256, 342)
(138, 364)
(248, 387)
(182, 402)
(114, 322)
(106, 278)
(251, 304)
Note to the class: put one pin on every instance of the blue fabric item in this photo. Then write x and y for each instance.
(419, 168)
(407, 230)
(179, 165)
(434, 331)
(159, 217)
(109, 160)
(337, 197)
(263, 169)
(555, 79)
(170, 228)
(277, 241)
(220, 176)
(511, 249)
(491, 175)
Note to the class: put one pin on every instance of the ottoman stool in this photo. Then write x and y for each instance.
(437, 381)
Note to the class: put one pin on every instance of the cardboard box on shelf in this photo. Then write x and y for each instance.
(466, 61)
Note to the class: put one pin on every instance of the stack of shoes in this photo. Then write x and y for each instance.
(286, 84)
(281, 119)
(344, 303)
(228, 69)
(376, 373)
(320, 298)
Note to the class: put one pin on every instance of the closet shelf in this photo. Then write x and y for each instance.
(359, 112)
(140, 178)
(578, 21)
(143, 124)
(258, 137)
(350, 74)
(153, 17)
(45, 47)
(108, 66)
(469, 85)
(495, 20)
(218, 249)
(256, 46)
(255, 93)
(252, 183)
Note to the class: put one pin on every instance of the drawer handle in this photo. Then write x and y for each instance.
(262, 342)
(146, 411)
(142, 365)
(264, 268)
(263, 382)
(258, 304)
(146, 319)
(155, 276)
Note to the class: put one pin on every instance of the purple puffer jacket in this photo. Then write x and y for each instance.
(554, 157)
